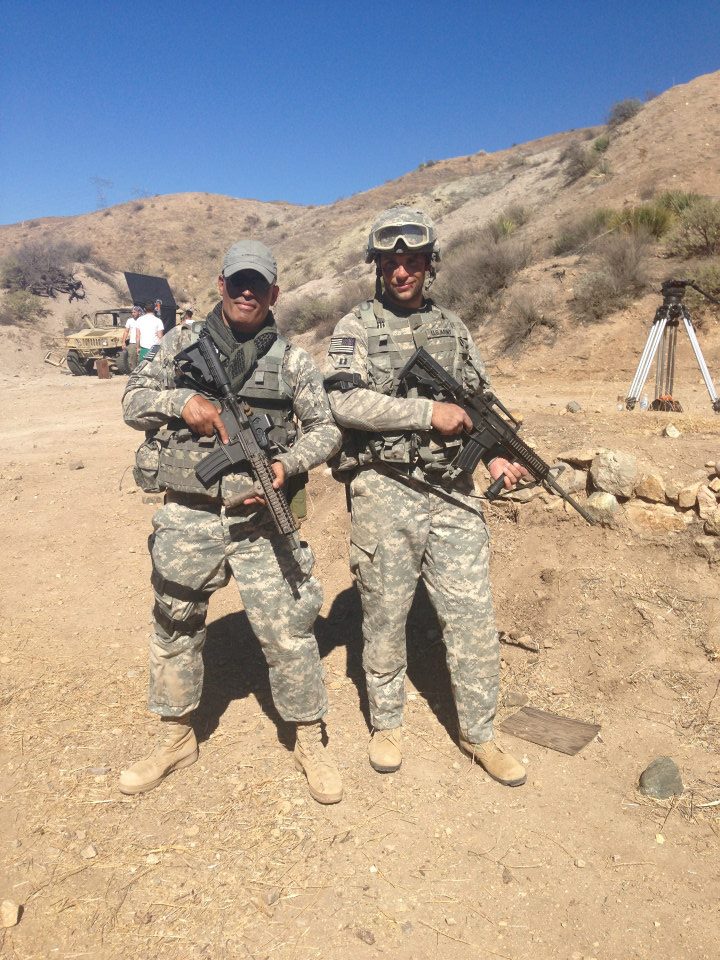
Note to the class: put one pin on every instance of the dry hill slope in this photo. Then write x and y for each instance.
(672, 143)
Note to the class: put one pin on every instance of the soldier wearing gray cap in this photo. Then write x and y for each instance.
(411, 516)
(204, 536)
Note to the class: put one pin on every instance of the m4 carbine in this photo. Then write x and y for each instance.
(494, 432)
(200, 367)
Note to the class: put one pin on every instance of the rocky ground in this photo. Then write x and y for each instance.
(231, 858)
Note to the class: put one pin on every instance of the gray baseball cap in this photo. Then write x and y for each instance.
(250, 255)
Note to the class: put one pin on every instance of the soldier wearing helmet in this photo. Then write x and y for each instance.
(411, 517)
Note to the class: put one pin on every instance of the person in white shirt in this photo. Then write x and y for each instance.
(150, 330)
(130, 337)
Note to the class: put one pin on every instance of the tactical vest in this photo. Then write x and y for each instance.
(266, 391)
(391, 342)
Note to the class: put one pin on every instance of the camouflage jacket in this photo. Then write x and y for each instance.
(373, 342)
(152, 400)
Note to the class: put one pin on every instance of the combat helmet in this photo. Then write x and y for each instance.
(403, 228)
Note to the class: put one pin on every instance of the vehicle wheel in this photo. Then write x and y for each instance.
(75, 363)
(121, 361)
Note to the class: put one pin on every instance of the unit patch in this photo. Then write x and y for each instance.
(342, 345)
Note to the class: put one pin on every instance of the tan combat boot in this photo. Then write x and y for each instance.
(177, 749)
(384, 750)
(314, 760)
(500, 765)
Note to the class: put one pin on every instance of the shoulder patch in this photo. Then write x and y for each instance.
(342, 345)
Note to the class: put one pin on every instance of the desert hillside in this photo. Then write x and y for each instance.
(670, 146)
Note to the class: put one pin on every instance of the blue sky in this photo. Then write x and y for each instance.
(308, 102)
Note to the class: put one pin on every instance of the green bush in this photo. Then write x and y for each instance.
(622, 111)
(21, 308)
(677, 200)
(698, 229)
(618, 276)
(601, 143)
(652, 218)
(578, 231)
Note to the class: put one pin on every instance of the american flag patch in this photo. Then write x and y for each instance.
(342, 345)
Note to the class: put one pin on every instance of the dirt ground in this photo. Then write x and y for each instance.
(231, 858)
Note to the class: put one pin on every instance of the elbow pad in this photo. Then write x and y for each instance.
(343, 382)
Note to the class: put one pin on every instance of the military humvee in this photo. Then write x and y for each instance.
(103, 338)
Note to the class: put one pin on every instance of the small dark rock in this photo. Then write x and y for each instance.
(661, 779)
(573, 407)
(367, 936)
(76, 465)
(271, 897)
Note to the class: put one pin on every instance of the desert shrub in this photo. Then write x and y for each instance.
(506, 223)
(578, 160)
(21, 308)
(622, 111)
(320, 314)
(272, 223)
(523, 317)
(308, 313)
(617, 276)
(578, 231)
(707, 278)
(477, 271)
(35, 265)
(697, 232)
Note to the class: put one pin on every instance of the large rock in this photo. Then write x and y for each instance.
(650, 486)
(661, 779)
(715, 485)
(712, 523)
(572, 480)
(580, 456)
(614, 472)
(656, 517)
(602, 506)
(707, 502)
(687, 495)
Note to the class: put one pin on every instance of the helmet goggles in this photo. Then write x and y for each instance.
(414, 236)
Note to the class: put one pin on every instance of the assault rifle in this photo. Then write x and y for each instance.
(494, 431)
(200, 367)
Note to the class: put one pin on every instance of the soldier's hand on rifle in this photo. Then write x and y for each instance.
(203, 418)
(279, 470)
(513, 472)
(449, 419)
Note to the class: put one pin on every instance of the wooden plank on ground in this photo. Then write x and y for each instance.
(549, 730)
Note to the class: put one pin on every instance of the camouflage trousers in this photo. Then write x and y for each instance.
(194, 551)
(402, 531)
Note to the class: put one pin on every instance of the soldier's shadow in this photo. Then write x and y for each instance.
(427, 668)
(235, 667)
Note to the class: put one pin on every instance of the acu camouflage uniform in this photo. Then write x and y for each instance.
(407, 521)
(200, 539)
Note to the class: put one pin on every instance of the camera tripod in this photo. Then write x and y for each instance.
(662, 340)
